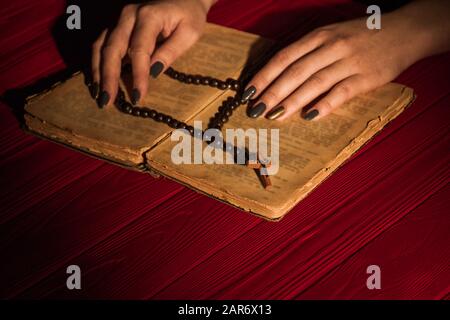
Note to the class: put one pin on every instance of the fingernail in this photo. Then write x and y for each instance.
(93, 90)
(275, 113)
(156, 69)
(135, 96)
(247, 94)
(311, 114)
(257, 110)
(103, 99)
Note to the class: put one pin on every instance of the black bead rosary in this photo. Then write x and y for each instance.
(216, 122)
(220, 118)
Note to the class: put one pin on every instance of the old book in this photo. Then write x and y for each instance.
(308, 151)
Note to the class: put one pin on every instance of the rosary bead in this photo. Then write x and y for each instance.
(175, 75)
(190, 129)
(120, 103)
(181, 125)
(169, 71)
(152, 114)
(196, 80)
(159, 117)
(128, 108)
(235, 105)
(173, 123)
(145, 113)
(120, 95)
(136, 111)
(212, 123)
(167, 119)
(214, 83)
(189, 79)
(205, 81)
(224, 119)
(222, 85)
(181, 77)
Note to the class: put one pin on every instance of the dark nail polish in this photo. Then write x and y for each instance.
(103, 99)
(156, 69)
(247, 94)
(257, 110)
(311, 114)
(135, 96)
(275, 113)
(93, 90)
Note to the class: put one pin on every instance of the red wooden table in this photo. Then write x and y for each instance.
(138, 237)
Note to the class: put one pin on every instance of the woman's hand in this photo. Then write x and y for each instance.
(342, 60)
(179, 22)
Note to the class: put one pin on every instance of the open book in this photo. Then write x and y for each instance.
(308, 151)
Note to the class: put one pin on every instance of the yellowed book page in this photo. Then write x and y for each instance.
(67, 112)
(309, 152)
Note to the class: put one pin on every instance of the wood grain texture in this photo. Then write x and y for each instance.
(138, 237)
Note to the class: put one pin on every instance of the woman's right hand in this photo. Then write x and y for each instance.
(179, 22)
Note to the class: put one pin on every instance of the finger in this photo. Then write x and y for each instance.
(340, 94)
(295, 75)
(317, 84)
(179, 42)
(142, 45)
(96, 56)
(281, 61)
(113, 51)
(95, 63)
